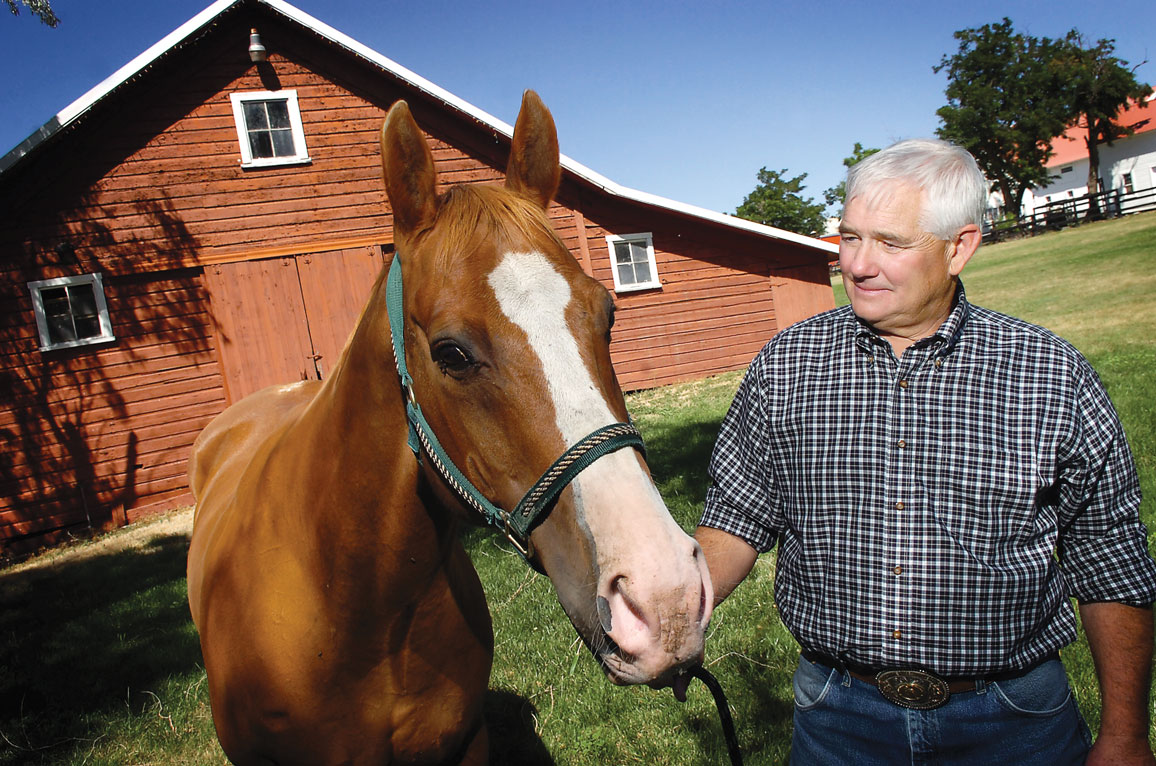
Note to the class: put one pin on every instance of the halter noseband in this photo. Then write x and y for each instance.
(537, 503)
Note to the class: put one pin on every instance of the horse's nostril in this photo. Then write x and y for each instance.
(604, 613)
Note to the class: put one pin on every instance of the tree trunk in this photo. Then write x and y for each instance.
(1093, 143)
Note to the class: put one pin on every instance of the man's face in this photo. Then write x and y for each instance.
(899, 278)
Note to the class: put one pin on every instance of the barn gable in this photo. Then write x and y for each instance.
(219, 277)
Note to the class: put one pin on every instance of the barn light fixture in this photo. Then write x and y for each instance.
(257, 51)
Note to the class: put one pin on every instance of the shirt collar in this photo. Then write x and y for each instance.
(947, 336)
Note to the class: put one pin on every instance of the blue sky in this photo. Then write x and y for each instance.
(686, 100)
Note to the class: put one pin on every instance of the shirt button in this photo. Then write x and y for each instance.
(899, 506)
(939, 361)
(897, 634)
(898, 570)
(903, 384)
(901, 444)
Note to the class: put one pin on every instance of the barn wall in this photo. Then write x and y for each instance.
(98, 436)
(148, 189)
(723, 295)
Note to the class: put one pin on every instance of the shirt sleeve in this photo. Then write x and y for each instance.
(1104, 545)
(741, 498)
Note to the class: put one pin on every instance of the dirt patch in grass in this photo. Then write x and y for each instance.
(140, 535)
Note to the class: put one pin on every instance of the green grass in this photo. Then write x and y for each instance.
(99, 662)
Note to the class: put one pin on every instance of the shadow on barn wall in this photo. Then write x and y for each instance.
(90, 435)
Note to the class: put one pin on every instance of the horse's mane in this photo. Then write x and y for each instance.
(469, 214)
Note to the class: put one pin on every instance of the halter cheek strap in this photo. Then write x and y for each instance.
(537, 503)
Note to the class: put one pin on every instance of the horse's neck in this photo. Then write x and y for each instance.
(370, 510)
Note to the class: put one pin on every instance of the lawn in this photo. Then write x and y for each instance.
(99, 662)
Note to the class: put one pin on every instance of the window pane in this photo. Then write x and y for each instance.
(255, 117)
(55, 301)
(87, 326)
(622, 252)
(278, 114)
(283, 143)
(625, 274)
(261, 145)
(60, 329)
(641, 272)
(638, 252)
(82, 300)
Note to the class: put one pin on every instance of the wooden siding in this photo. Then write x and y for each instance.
(98, 436)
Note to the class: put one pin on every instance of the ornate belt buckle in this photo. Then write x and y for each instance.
(913, 689)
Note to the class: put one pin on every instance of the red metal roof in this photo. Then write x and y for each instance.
(1071, 146)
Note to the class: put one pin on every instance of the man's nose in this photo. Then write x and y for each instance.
(858, 261)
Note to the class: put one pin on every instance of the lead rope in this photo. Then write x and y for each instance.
(724, 713)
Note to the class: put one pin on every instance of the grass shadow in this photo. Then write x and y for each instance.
(85, 637)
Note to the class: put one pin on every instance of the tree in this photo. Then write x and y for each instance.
(777, 202)
(836, 195)
(41, 9)
(1100, 87)
(1005, 103)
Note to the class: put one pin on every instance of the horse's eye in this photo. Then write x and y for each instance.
(452, 358)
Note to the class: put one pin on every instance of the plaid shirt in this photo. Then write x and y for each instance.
(936, 510)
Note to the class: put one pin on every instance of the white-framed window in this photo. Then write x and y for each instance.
(70, 311)
(632, 258)
(1068, 169)
(1127, 179)
(269, 128)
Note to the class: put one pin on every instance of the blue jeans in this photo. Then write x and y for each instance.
(1028, 720)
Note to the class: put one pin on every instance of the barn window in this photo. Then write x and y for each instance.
(269, 128)
(70, 311)
(633, 260)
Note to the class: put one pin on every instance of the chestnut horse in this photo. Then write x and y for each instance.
(340, 619)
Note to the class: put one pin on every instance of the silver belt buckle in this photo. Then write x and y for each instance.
(913, 689)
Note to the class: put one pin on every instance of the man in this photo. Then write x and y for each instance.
(941, 480)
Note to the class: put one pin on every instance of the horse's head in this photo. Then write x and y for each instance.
(508, 343)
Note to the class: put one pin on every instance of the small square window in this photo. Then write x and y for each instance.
(632, 258)
(70, 311)
(269, 128)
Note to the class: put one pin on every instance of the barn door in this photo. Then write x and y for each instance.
(280, 320)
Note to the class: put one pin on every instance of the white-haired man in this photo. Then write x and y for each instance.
(941, 480)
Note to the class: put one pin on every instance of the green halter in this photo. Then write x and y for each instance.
(537, 503)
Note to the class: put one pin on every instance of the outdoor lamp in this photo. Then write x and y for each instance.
(256, 49)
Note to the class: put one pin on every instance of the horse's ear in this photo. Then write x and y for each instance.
(408, 167)
(533, 170)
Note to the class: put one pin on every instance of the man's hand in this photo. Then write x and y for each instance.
(1120, 751)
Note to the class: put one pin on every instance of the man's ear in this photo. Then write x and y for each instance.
(966, 242)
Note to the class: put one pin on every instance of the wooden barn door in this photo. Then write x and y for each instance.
(281, 320)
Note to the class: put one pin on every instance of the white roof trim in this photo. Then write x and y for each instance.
(126, 72)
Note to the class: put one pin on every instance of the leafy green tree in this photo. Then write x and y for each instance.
(1006, 101)
(41, 9)
(1100, 87)
(836, 195)
(777, 201)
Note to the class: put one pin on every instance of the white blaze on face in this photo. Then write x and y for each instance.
(534, 296)
(645, 574)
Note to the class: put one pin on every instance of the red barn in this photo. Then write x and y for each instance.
(201, 225)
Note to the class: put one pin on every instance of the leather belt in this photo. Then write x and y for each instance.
(916, 689)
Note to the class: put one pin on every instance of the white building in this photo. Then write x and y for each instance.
(1128, 165)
